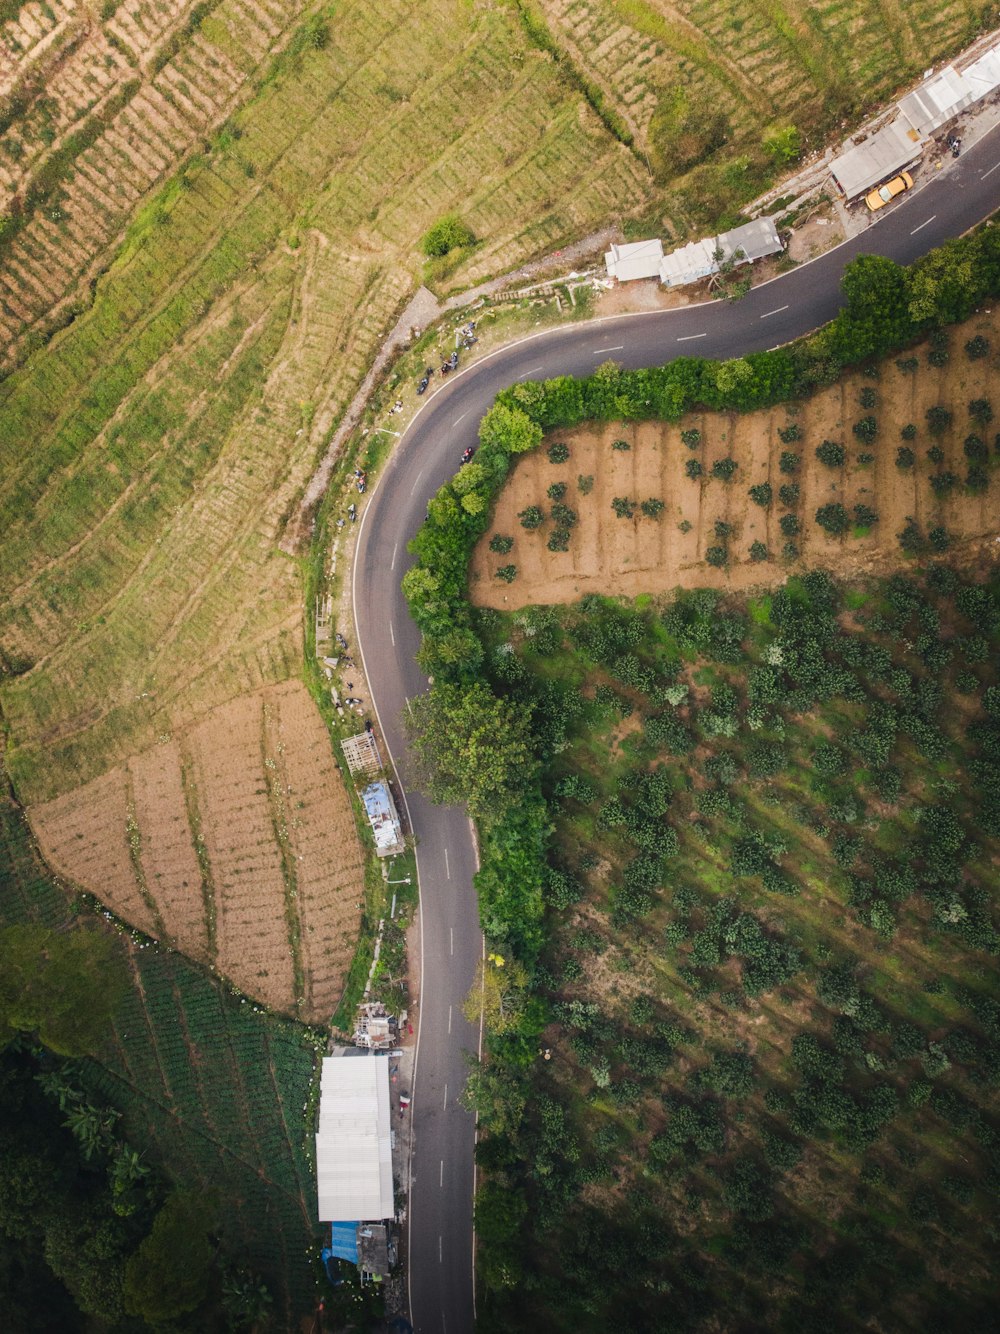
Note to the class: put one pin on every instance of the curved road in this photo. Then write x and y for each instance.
(442, 1173)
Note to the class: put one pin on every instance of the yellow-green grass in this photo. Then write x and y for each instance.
(152, 453)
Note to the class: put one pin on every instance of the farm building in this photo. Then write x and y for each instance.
(638, 259)
(700, 259)
(882, 155)
(384, 819)
(935, 102)
(354, 1141)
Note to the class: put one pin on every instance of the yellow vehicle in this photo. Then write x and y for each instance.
(886, 193)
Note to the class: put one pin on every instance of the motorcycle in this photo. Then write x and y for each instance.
(423, 383)
(467, 455)
(352, 512)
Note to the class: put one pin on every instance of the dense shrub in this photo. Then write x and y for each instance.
(866, 429)
(556, 491)
(448, 233)
(501, 545)
(532, 517)
(557, 452)
(789, 461)
(724, 468)
(833, 518)
(831, 454)
(761, 494)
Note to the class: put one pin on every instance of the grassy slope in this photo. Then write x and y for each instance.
(212, 1091)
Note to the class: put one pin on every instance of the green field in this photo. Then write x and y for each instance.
(769, 975)
(214, 1093)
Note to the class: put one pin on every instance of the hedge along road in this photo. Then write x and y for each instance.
(440, 1247)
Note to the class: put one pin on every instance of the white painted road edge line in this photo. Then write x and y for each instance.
(688, 337)
(777, 311)
(598, 350)
(923, 225)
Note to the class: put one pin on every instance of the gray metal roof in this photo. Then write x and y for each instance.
(879, 157)
(637, 259)
(937, 100)
(354, 1140)
(754, 239)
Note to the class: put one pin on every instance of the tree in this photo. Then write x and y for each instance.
(509, 429)
(833, 518)
(64, 986)
(470, 747)
(831, 453)
(448, 233)
(168, 1275)
(499, 994)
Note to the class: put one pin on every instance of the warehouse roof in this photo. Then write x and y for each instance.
(354, 1140)
(638, 259)
(879, 157)
(936, 101)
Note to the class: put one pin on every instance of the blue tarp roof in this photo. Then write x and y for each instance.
(344, 1241)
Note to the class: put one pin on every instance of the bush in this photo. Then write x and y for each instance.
(723, 529)
(908, 432)
(936, 455)
(789, 461)
(865, 458)
(866, 429)
(563, 516)
(652, 508)
(865, 516)
(758, 551)
(789, 434)
(508, 573)
(532, 517)
(559, 540)
(585, 484)
(980, 410)
(789, 525)
(833, 518)
(556, 491)
(910, 538)
(620, 445)
(501, 545)
(975, 449)
(623, 507)
(938, 355)
(905, 458)
(691, 438)
(831, 454)
(789, 494)
(761, 494)
(938, 419)
(693, 469)
(977, 479)
(724, 468)
(943, 483)
(977, 348)
(448, 233)
(716, 556)
(557, 452)
(907, 365)
(868, 397)
(790, 551)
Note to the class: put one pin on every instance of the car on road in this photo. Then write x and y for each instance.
(885, 194)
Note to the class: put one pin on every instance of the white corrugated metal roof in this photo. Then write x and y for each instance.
(937, 100)
(354, 1140)
(983, 75)
(879, 157)
(637, 259)
(754, 240)
(686, 265)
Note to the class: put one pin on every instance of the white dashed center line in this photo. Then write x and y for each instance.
(777, 311)
(923, 225)
(689, 337)
(598, 350)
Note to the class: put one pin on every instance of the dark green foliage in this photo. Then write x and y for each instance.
(723, 530)
(557, 452)
(761, 494)
(865, 516)
(620, 445)
(905, 458)
(938, 419)
(585, 484)
(507, 573)
(563, 516)
(691, 438)
(832, 454)
(833, 518)
(693, 469)
(724, 468)
(716, 556)
(532, 517)
(790, 433)
(556, 491)
(758, 551)
(652, 508)
(789, 525)
(789, 461)
(866, 429)
(501, 545)
(977, 348)
(939, 540)
(981, 411)
(558, 540)
(975, 449)
(908, 432)
(907, 365)
(942, 483)
(623, 507)
(788, 494)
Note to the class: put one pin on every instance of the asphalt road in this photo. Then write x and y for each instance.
(440, 1218)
